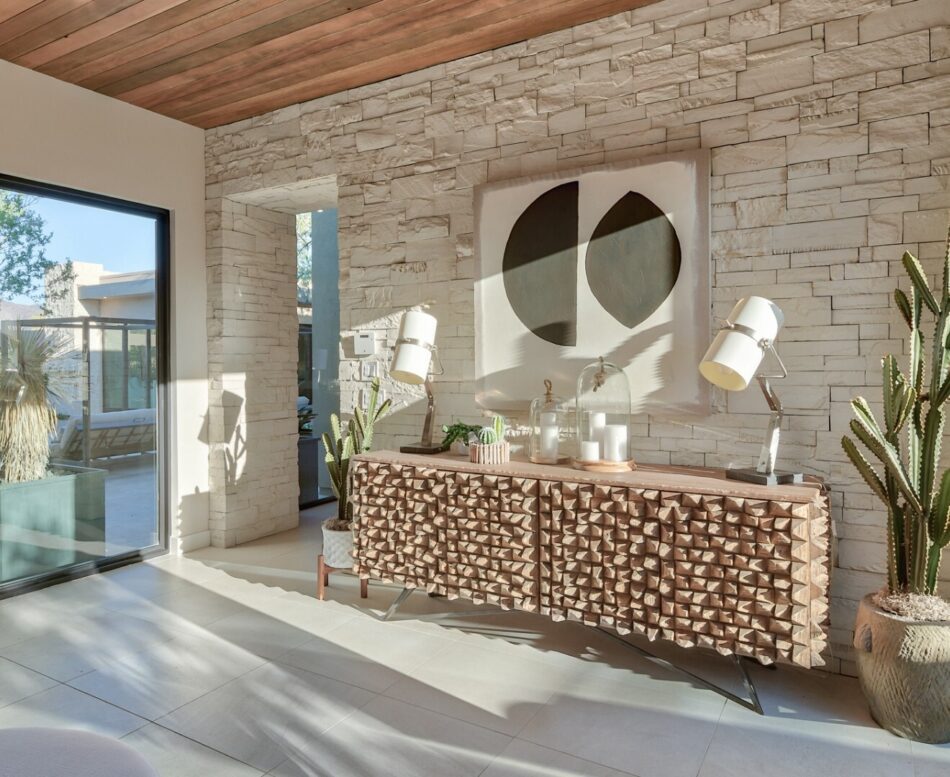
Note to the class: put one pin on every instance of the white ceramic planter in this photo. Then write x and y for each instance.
(338, 548)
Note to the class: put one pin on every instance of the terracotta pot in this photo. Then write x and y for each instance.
(338, 547)
(904, 668)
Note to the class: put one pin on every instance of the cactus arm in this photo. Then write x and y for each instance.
(864, 468)
(919, 279)
(930, 456)
(888, 456)
(903, 305)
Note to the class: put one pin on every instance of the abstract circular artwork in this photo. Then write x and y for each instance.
(633, 259)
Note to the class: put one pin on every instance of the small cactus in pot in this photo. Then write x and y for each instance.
(490, 445)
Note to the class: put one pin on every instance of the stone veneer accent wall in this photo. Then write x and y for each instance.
(252, 372)
(829, 125)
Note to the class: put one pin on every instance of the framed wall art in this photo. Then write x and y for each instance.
(610, 261)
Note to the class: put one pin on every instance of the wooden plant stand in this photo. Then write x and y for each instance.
(323, 578)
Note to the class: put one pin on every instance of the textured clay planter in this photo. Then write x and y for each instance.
(904, 668)
(338, 548)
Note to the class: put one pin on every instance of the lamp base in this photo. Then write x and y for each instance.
(776, 478)
(428, 449)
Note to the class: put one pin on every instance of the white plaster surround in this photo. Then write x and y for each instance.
(829, 128)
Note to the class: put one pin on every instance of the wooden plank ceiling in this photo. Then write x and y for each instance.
(211, 62)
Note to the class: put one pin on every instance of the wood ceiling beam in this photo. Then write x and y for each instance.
(11, 8)
(104, 28)
(397, 63)
(211, 62)
(212, 46)
(296, 52)
(83, 17)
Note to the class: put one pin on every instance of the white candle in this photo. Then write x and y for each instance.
(549, 441)
(615, 442)
(549, 418)
(595, 426)
(590, 450)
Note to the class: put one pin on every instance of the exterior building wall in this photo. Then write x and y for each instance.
(829, 130)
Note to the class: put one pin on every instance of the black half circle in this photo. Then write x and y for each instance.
(633, 259)
(540, 265)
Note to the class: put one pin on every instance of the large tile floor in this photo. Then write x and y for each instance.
(223, 663)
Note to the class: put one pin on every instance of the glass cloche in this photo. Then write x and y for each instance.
(603, 418)
(550, 428)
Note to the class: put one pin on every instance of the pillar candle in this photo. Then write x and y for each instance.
(615, 442)
(549, 441)
(595, 425)
(590, 450)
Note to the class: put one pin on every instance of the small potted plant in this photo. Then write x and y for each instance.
(490, 445)
(355, 437)
(457, 436)
(902, 633)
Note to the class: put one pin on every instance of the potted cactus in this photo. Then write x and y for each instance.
(490, 445)
(902, 633)
(340, 446)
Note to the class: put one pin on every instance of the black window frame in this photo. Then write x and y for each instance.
(163, 344)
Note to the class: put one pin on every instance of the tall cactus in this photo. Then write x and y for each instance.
(916, 495)
(355, 437)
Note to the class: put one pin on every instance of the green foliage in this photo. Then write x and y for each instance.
(487, 436)
(344, 441)
(458, 432)
(907, 447)
(494, 433)
(25, 270)
(304, 256)
(27, 394)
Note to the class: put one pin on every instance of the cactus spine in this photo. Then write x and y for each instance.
(907, 448)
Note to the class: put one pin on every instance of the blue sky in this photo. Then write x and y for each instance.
(120, 241)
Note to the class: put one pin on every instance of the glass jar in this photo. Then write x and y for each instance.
(550, 428)
(603, 419)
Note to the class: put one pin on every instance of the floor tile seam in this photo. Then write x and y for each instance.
(702, 761)
(574, 755)
(145, 721)
(212, 690)
(197, 742)
(36, 671)
(387, 696)
(562, 752)
(36, 693)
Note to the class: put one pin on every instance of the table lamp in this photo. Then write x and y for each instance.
(412, 362)
(733, 360)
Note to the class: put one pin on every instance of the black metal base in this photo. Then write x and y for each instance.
(777, 478)
(421, 447)
(740, 662)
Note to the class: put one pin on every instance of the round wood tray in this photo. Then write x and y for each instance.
(604, 466)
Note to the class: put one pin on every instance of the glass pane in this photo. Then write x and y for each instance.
(78, 383)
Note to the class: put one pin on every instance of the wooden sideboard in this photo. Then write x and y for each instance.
(673, 553)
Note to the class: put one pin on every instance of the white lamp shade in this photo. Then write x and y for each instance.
(414, 347)
(759, 315)
(735, 354)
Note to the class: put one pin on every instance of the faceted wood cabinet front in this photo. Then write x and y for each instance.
(670, 553)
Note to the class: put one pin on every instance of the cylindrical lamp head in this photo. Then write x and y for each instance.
(737, 350)
(413, 353)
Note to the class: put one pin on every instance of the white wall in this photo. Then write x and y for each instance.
(58, 133)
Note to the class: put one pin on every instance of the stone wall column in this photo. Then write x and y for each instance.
(252, 371)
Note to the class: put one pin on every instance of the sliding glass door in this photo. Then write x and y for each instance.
(83, 322)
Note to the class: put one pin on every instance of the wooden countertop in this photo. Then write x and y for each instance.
(697, 480)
